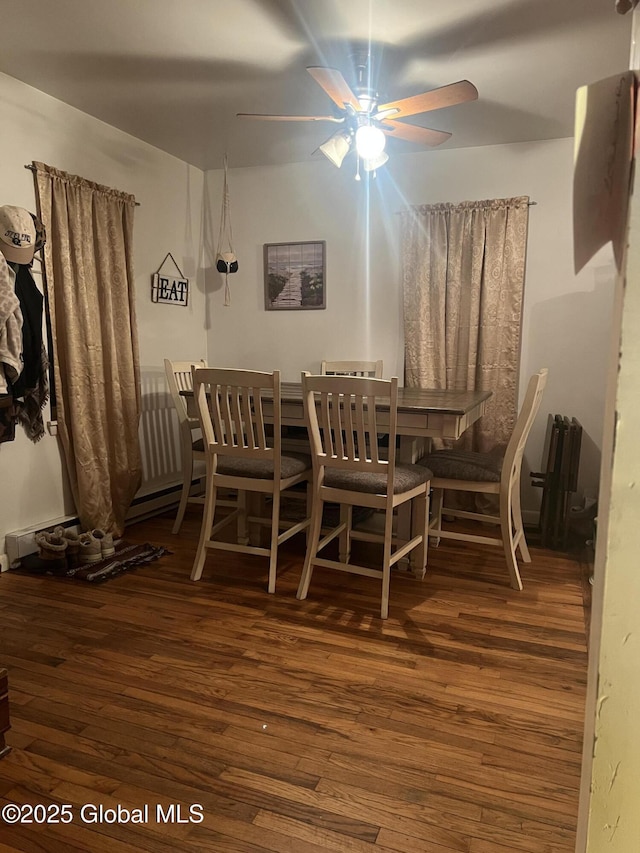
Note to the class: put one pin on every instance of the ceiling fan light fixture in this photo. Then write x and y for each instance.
(336, 147)
(374, 163)
(370, 141)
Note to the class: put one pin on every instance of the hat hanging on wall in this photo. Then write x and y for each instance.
(17, 234)
(226, 261)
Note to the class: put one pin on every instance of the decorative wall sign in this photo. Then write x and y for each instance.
(168, 288)
(294, 276)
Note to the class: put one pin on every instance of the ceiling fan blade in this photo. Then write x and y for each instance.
(262, 117)
(413, 133)
(436, 99)
(335, 86)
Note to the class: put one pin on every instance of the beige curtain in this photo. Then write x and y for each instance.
(463, 277)
(89, 280)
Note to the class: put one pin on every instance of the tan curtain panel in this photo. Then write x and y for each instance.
(463, 278)
(89, 280)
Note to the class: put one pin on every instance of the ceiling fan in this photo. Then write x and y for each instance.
(365, 123)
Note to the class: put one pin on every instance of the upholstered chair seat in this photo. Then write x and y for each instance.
(405, 477)
(465, 465)
(291, 464)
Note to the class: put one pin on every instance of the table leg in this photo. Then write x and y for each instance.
(410, 450)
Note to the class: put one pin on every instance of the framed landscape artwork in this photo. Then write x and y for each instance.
(294, 276)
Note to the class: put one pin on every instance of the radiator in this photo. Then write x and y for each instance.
(559, 480)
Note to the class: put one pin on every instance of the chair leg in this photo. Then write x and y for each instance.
(506, 528)
(517, 522)
(312, 547)
(421, 525)
(436, 515)
(309, 511)
(344, 540)
(275, 532)
(386, 564)
(205, 530)
(187, 474)
(256, 507)
(243, 530)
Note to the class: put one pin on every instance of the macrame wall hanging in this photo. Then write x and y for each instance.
(226, 261)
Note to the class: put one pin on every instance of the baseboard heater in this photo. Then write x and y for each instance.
(559, 480)
(20, 543)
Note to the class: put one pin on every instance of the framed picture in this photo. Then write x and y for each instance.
(294, 276)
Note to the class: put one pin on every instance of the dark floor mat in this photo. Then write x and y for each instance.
(127, 556)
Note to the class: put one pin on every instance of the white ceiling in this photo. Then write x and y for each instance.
(175, 72)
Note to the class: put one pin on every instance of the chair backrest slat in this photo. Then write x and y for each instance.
(373, 430)
(257, 409)
(362, 438)
(350, 428)
(245, 403)
(227, 434)
(325, 425)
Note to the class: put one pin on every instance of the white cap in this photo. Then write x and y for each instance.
(17, 234)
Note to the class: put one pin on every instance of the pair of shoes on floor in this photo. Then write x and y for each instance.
(64, 550)
(95, 545)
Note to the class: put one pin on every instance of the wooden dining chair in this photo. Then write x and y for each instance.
(233, 407)
(348, 470)
(179, 378)
(352, 368)
(490, 474)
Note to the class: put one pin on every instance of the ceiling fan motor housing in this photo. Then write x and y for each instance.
(365, 92)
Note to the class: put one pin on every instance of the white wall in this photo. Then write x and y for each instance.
(566, 317)
(38, 127)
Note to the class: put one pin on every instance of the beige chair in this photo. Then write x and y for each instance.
(352, 368)
(179, 378)
(490, 474)
(348, 470)
(233, 406)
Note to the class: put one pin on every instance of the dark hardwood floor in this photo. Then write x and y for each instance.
(456, 725)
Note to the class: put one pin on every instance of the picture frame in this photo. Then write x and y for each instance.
(295, 276)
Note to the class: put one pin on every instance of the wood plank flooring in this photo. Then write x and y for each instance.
(299, 727)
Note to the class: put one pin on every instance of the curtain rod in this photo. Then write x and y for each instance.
(33, 169)
(529, 204)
